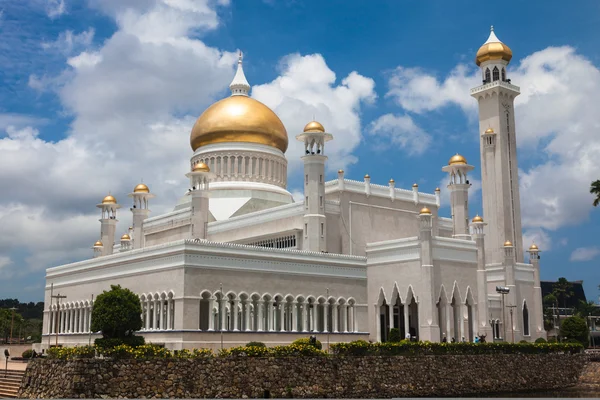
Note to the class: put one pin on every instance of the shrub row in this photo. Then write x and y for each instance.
(357, 348)
(405, 347)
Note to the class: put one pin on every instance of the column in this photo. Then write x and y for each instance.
(463, 312)
(406, 319)
(282, 315)
(344, 318)
(294, 316)
(334, 314)
(260, 323)
(391, 316)
(247, 314)
(234, 314)
(326, 317)
(81, 319)
(148, 314)
(72, 321)
(449, 321)
(50, 320)
(351, 319)
(155, 315)
(270, 315)
(223, 314)
(169, 322)
(305, 316)
(211, 314)
(314, 317)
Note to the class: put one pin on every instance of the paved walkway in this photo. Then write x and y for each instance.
(19, 366)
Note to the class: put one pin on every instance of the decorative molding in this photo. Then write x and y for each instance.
(379, 191)
(251, 219)
(495, 84)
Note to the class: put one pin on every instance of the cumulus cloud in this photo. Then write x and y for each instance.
(555, 119)
(584, 254)
(307, 87)
(402, 131)
(538, 236)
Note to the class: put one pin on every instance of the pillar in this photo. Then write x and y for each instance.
(294, 316)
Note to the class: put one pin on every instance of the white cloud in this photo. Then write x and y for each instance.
(55, 8)
(306, 87)
(401, 131)
(538, 236)
(85, 60)
(556, 119)
(584, 253)
(67, 41)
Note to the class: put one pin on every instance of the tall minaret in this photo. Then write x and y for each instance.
(108, 224)
(315, 227)
(141, 194)
(199, 178)
(538, 312)
(459, 185)
(499, 171)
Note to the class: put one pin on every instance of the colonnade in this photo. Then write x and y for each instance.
(276, 313)
(73, 317)
(158, 311)
(247, 167)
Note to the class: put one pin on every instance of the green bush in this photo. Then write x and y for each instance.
(68, 353)
(552, 339)
(306, 342)
(255, 344)
(426, 348)
(540, 340)
(27, 353)
(117, 313)
(523, 341)
(575, 328)
(109, 343)
(394, 335)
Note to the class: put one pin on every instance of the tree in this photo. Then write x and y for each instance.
(595, 190)
(575, 328)
(117, 313)
(585, 310)
(563, 290)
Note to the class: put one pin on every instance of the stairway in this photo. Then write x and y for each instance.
(9, 384)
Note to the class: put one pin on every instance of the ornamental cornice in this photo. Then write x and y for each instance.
(496, 85)
(380, 191)
(263, 216)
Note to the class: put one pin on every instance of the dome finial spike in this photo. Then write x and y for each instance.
(239, 86)
(492, 28)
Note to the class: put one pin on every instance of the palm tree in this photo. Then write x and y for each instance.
(595, 190)
(563, 290)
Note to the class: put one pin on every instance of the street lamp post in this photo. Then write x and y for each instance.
(512, 327)
(503, 291)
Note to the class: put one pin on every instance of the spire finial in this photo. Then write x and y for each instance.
(492, 28)
(239, 86)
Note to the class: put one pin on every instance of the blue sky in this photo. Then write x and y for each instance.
(97, 95)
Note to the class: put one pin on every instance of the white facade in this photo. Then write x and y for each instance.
(237, 260)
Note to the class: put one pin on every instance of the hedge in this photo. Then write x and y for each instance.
(357, 348)
(405, 347)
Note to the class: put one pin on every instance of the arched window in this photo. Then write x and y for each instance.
(487, 75)
(525, 319)
(503, 75)
(496, 74)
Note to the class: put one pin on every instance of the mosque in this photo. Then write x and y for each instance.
(238, 260)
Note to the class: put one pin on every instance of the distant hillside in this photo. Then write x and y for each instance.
(26, 310)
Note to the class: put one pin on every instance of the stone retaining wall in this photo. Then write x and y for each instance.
(305, 377)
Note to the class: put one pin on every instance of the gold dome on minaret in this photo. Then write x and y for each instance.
(314, 126)
(493, 49)
(239, 118)
(457, 159)
(200, 167)
(109, 200)
(141, 188)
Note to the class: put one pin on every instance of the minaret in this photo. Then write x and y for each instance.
(315, 229)
(428, 328)
(97, 247)
(483, 326)
(125, 242)
(499, 170)
(199, 178)
(538, 312)
(108, 223)
(459, 185)
(141, 194)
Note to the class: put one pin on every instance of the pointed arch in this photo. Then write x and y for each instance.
(488, 77)
(395, 294)
(495, 74)
(456, 293)
(381, 298)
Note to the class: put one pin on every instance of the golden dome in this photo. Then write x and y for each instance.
(477, 219)
(367, 176)
(141, 188)
(314, 126)
(533, 247)
(493, 49)
(415, 185)
(239, 119)
(425, 210)
(507, 243)
(200, 167)
(125, 237)
(109, 200)
(340, 171)
(457, 159)
(392, 180)
(437, 189)
(98, 244)
(489, 130)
